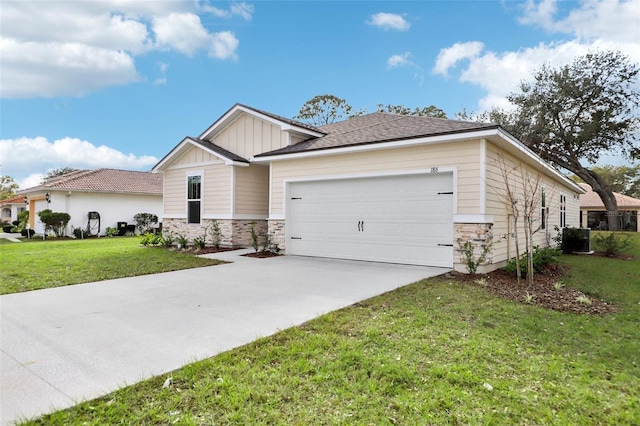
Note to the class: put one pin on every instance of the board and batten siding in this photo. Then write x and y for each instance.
(503, 246)
(461, 156)
(248, 136)
(252, 190)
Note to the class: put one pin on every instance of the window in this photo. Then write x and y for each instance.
(563, 211)
(194, 194)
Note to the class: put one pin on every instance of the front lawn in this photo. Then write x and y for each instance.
(37, 264)
(436, 352)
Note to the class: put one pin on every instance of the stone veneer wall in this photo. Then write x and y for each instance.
(276, 230)
(481, 236)
(235, 233)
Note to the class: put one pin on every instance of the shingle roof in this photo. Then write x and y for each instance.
(592, 199)
(106, 180)
(380, 127)
(215, 148)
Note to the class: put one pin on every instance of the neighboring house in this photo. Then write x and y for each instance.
(380, 187)
(594, 215)
(10, 208)
(115, 195)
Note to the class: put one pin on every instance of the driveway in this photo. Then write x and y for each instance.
(64, 345)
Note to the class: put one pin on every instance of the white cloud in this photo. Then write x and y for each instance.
(596, 26)
(449, 57)
(612, 20)
(224, 45)
(242, 9)
(181, 31)
(389, 21)
(25, 158)
(57, 48)
(396, 61)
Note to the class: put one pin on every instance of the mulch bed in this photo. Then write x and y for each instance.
(208, 250)
(542, 292)
(262, 254)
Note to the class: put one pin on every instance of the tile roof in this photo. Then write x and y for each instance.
(18, 199)
(105, 180)
(380, 127)
(592, 199)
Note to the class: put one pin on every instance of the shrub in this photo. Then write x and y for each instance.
(167, 239)
(16, 222)
(150, 238)
(54, 221)
(23, 219)
(254, 237)
(542, 258)
(145, 221)
(612, 244)
(183, 242)
(7, 228)
(216, 234)
(200, 242)
(111, 232)
(467, 251)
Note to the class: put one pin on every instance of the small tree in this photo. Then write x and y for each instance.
(145, 221)
(54, 221)
(216, 234)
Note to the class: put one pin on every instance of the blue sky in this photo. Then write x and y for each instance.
(91, 84)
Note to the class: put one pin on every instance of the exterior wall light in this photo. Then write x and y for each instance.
(47, 197)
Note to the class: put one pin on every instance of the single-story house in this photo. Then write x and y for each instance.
(593, 214)
(10, 208)
(96, 199)
(379, 187)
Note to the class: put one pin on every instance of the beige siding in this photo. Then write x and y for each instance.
(248, 136)
(175, 192)
(195, 156)
(463, 155)
(216, 189)
(498, 207)
(252, 190)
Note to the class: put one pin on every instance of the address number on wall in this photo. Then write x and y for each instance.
(434, 170)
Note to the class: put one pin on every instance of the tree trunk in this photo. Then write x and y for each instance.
(606, 195)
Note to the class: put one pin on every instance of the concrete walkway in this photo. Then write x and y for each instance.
(64, 345)
(11, 237)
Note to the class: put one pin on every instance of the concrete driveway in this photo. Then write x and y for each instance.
(64, 345)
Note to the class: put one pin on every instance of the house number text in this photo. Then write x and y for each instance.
(434, 170)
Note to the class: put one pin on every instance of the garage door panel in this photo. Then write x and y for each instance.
(399, 219)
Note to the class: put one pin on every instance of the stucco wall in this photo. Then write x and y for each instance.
(113, 208)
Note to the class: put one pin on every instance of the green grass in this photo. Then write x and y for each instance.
(434, 352)
(37, 264)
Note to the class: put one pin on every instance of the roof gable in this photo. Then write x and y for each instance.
(285, 124)
(228, 157)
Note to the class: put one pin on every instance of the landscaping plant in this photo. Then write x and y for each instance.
(612, 244)
(145, 222)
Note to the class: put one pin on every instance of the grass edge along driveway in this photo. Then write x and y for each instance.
(434, 352)
(37, 264)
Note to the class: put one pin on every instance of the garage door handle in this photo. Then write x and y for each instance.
(296, 238)
(361, 226)
(445, 245)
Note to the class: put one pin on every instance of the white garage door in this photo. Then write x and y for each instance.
(398, 219)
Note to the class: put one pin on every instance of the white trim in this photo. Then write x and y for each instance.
(278, 216)
(377, 173)
(473, 218)
(174, 216)
(181, 149)
(483, 176)
(233, 190)
(270, 186)
(191, 165)
(187, 175)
